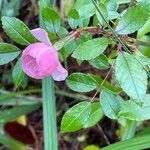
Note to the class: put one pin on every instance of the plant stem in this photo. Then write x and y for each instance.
(117, 37)
(7, 95)
(49, 105)
(111, 29)
(49, 114)
(78, 97)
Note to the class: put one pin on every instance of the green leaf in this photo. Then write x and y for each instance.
(137, 143)
(83, 22)
(51, 20)
(7, 48)
(17, 31)
(131, 76)
(60, 44)
(83, 2)
(86, 11)
(123, 1)
(112, 7)
(85, 8)
(132, 111)
(129, 24)
(90, 49)
(103, 9)
(7, 57)
(13, 98)
(144, 30)
(145, 61)
(68, 48)
(62, 33)
(95, 115)
(144, 131)
(17, 100)
(84, 37)
(81, 82)
(73, 18)
(110, 104)
(13, 113)
(11, 143)
(100, 62)
(75, 117)
(17, 74)
(9, 8)
(67, 6)
(144, 49)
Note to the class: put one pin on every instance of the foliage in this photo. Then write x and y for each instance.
(107, 47)
(138, 143)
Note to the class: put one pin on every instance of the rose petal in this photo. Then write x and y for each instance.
(36, 48)
(39, 60)
(60, 73)
(30, 67)
(47, 60)
(41, 35)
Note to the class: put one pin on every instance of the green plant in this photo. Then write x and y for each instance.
(104, 43)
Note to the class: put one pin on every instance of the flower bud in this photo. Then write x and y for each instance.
(40, 60)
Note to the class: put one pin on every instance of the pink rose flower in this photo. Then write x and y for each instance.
(40, 60)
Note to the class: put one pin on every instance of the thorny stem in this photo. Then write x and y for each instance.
(116, 36)
(112, 30)
(97, 91)
(21, 94)
(99, 30)
(124, 47)
(99, 87)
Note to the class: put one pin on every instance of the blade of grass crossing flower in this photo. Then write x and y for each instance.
(49, 114)
(49, 106)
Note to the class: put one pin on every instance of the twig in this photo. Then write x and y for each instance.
(103, 133)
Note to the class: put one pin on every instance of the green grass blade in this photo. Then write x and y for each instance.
(137, 143)
(49, 114)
